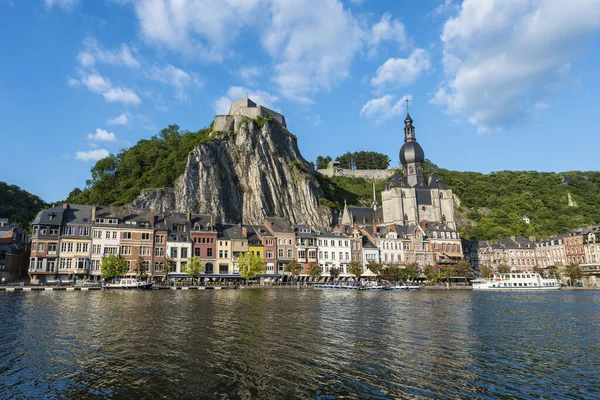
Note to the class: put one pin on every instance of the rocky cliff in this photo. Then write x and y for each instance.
(245, 176)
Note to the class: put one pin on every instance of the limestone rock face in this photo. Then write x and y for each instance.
(256, 172)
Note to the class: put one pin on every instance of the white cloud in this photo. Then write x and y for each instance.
(65, 5)
(384, 108)
(249, 75)
(98, 84)
(122, 119)
(92, 155)
(222, 104)
(102, 136)
(95, 52)
(313, 45)
(120, 95)
(200, 28)
(504, 58)
(444, 8)
(387, 30)
(397, 72)
(176, 77)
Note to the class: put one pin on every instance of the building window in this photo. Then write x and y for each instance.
(159, 266)
(114, 236)
(289, 253)
(197, 252)
(179, 227)
(40, 247)
(280, 253)
(209, 252)
(145, 236)
(269, 254)
(96, 249)
(159, 252)
(160, 239)
(184, 252)
(126, 250)
(223, 268)
(173, 252)
(126, 235)
(301, 253)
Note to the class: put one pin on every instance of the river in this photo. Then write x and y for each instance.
(289, 343)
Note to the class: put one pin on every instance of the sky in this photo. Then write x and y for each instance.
(493, 85)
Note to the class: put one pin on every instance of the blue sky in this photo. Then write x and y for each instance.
(495, 85)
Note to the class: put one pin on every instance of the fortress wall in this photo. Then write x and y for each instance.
(276, 116)
(367, 174)
(223, 123)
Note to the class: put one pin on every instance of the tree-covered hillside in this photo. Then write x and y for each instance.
(152, 163)
(18, 205)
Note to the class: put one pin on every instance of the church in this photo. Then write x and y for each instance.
(408, 197)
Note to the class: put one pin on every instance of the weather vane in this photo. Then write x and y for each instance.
(406, 100)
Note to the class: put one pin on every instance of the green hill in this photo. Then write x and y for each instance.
(18, 205)
(491, 205)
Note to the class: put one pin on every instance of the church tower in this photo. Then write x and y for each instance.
(412, 156)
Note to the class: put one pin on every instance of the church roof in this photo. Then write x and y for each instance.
(396, 181)
(366, 215)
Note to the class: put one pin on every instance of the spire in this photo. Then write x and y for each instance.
(374, 196)
(409, 129)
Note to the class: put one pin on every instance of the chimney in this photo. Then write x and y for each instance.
(212, 219)
(374, 229)
(152, 217)
(93, 213)
(53, 205)
(423, 224)
(1, 222)
(65, 206)
(532, 238)
(121, 213)
(189, 215)
(244, 231)
(513, 238)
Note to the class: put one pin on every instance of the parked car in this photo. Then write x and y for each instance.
(89, 282)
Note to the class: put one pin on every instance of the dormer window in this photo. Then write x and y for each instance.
(196, 226)
(50, 216)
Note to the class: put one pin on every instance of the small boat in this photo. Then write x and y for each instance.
(338, 286)
(405, 287)
(129, 283)
(516, 281)
(371, 285)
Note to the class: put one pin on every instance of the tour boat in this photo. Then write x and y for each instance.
(516, 281)
(338, 286)
(371, 285)
(129, 283)
(405, 287)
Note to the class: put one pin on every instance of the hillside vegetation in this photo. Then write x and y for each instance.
(18, 205)
(152, 163)
(492, 205)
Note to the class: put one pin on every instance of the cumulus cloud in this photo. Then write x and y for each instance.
(102, 136)
(249, 75)
(99, 84)
(444, 8)
(387, 30)
(65, 5)
(122, 119)
(396, 72)
(503, 58)
(176, 77)
(313, 45)
(384, 108)
(222, 104)
(95, 52)
(199, 28)
(92, 155)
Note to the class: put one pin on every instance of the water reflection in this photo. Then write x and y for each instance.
(288, 343)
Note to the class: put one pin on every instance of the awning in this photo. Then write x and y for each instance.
(219, 276)
(450, 254)
(177, 275)
(368, 273)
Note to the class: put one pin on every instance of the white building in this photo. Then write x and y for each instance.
(334, 251)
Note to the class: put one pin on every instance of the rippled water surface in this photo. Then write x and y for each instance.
(288, 343)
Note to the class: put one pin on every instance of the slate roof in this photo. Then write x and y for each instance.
(78, 214)
(43, 217)
(231, 232)
(396, 181)
(366, 215)
(280, 225)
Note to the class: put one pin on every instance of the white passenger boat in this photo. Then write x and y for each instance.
(516, 281)
(405, 287)
(371, 285)
(129, 283)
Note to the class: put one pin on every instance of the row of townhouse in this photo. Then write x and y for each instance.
(72, 240)
(581, 247)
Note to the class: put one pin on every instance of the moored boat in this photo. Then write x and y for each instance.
(128, 283)
(516, 281)
(405, 287)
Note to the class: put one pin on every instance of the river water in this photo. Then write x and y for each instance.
(289, 343)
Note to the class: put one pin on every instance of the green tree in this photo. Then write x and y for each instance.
(412, 271)
(194, 267)
(293, 268)
(314, 271)
(396, 273)
(355, 268)
(140, 268)
(113, 267)
(503, 269)
(374, 266)
(250, 265)
(346, 160)
(464, 268)
(169, 266)
(574, 273)
(486, 271)
(323, 162)
(431, 273)
(334, 273)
